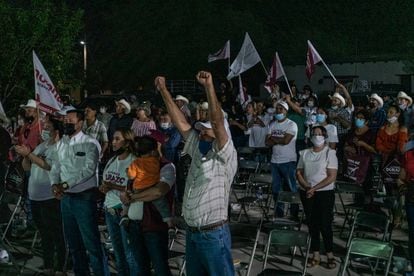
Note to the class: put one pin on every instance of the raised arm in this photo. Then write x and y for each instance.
(215, 112)
(176, 114)
(346, 93)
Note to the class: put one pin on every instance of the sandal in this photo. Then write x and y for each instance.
(331, 263)
(313, 262)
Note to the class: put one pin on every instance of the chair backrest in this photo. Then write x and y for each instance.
(265, 167)
(288, 197)
(348, 187)
(265, 178)
(369, 222)
(248, 165)
(370, 248)
(288, 238)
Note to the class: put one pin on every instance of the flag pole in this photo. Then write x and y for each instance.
(284, 74)
(327, 68)
(264, 68)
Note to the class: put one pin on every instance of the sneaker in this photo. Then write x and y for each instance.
(124, 221)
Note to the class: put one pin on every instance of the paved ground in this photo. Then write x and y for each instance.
(243, 240)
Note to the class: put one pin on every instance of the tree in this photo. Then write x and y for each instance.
(51, 30)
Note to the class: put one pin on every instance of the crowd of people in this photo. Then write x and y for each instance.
(74, 157)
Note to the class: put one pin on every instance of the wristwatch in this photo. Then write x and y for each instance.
(65, 185)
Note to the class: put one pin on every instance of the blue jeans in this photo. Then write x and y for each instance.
(125, 262)
(80, 226)
(409, 208)
(284, 172)
(209, 253)
(147, 248)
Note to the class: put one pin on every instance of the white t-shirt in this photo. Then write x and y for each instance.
(39, 184)
(315, 165)
(115, 172)
(283, 153)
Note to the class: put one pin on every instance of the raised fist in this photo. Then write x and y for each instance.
(159, 83)
(204, 78)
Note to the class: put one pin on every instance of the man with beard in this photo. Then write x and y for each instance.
(74, 181)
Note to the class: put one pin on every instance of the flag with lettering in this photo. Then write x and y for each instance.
(312, 58)
(223, 53)
(45, 92)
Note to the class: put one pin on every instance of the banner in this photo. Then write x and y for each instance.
(246, 58)
(45, 92)
(223, 53)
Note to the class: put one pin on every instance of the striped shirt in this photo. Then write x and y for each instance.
(97, 130)
(142, 128)
(346, 114)
(207, 189)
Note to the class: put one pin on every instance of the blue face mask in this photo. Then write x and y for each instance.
(359, 122)
(320, 118)
(280, 116)
(204, 146)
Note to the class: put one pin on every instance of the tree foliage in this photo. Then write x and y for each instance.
(52, 30)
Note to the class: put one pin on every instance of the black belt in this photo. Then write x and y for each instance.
(208, 227)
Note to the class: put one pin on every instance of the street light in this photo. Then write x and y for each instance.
(85, 66)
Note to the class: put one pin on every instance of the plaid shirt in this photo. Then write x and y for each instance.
(345, 113)
(207, 188)
(97, 130)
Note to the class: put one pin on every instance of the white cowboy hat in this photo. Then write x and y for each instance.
(30, 103)
(376, 97)
(203, 125)
(125, 104)
(181, 98)
(339, 97)
(404, 95)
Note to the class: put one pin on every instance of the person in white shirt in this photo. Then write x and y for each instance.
(281, 137)
(74, 182)
(316, 174)
(332, 132)
(45, 208)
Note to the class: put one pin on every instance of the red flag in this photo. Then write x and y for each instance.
(312, 58)
(275, 72)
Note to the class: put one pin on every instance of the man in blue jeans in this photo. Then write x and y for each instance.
(74, 181)
(281, 136)
(207, 189)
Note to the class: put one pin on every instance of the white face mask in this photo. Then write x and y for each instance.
(334, 107)
(402, 106)
(318, 140)
(165, 125)
(102, 110)
(45, 135)
(393, 119)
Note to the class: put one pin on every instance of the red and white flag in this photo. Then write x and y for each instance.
(46, 93)
(223, 53)
(312, 58)
(276, 71)
(246, 58)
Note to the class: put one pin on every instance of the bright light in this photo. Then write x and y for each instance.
(82, 42)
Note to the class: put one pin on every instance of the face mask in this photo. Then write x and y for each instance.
(393, 119)
(320, 118)
(318, 140)
(334, 107)
(165, 125)
(29, 119)
(311, 104)
(69, 129)
(403, 106)
(204, 146)
(120, 151)
(102, 110)
(359, 122)
(45, 135)
(280, 116)
(20, 122)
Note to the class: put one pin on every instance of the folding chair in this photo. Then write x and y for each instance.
(245, 153)
(343, 187)
(286, 198)
(178, 257)
(378, 250)
(258, 193)
(286, 240)
(368, 223)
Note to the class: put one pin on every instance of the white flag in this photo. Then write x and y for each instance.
(223, 53)
(246, 59)
(46, 93)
